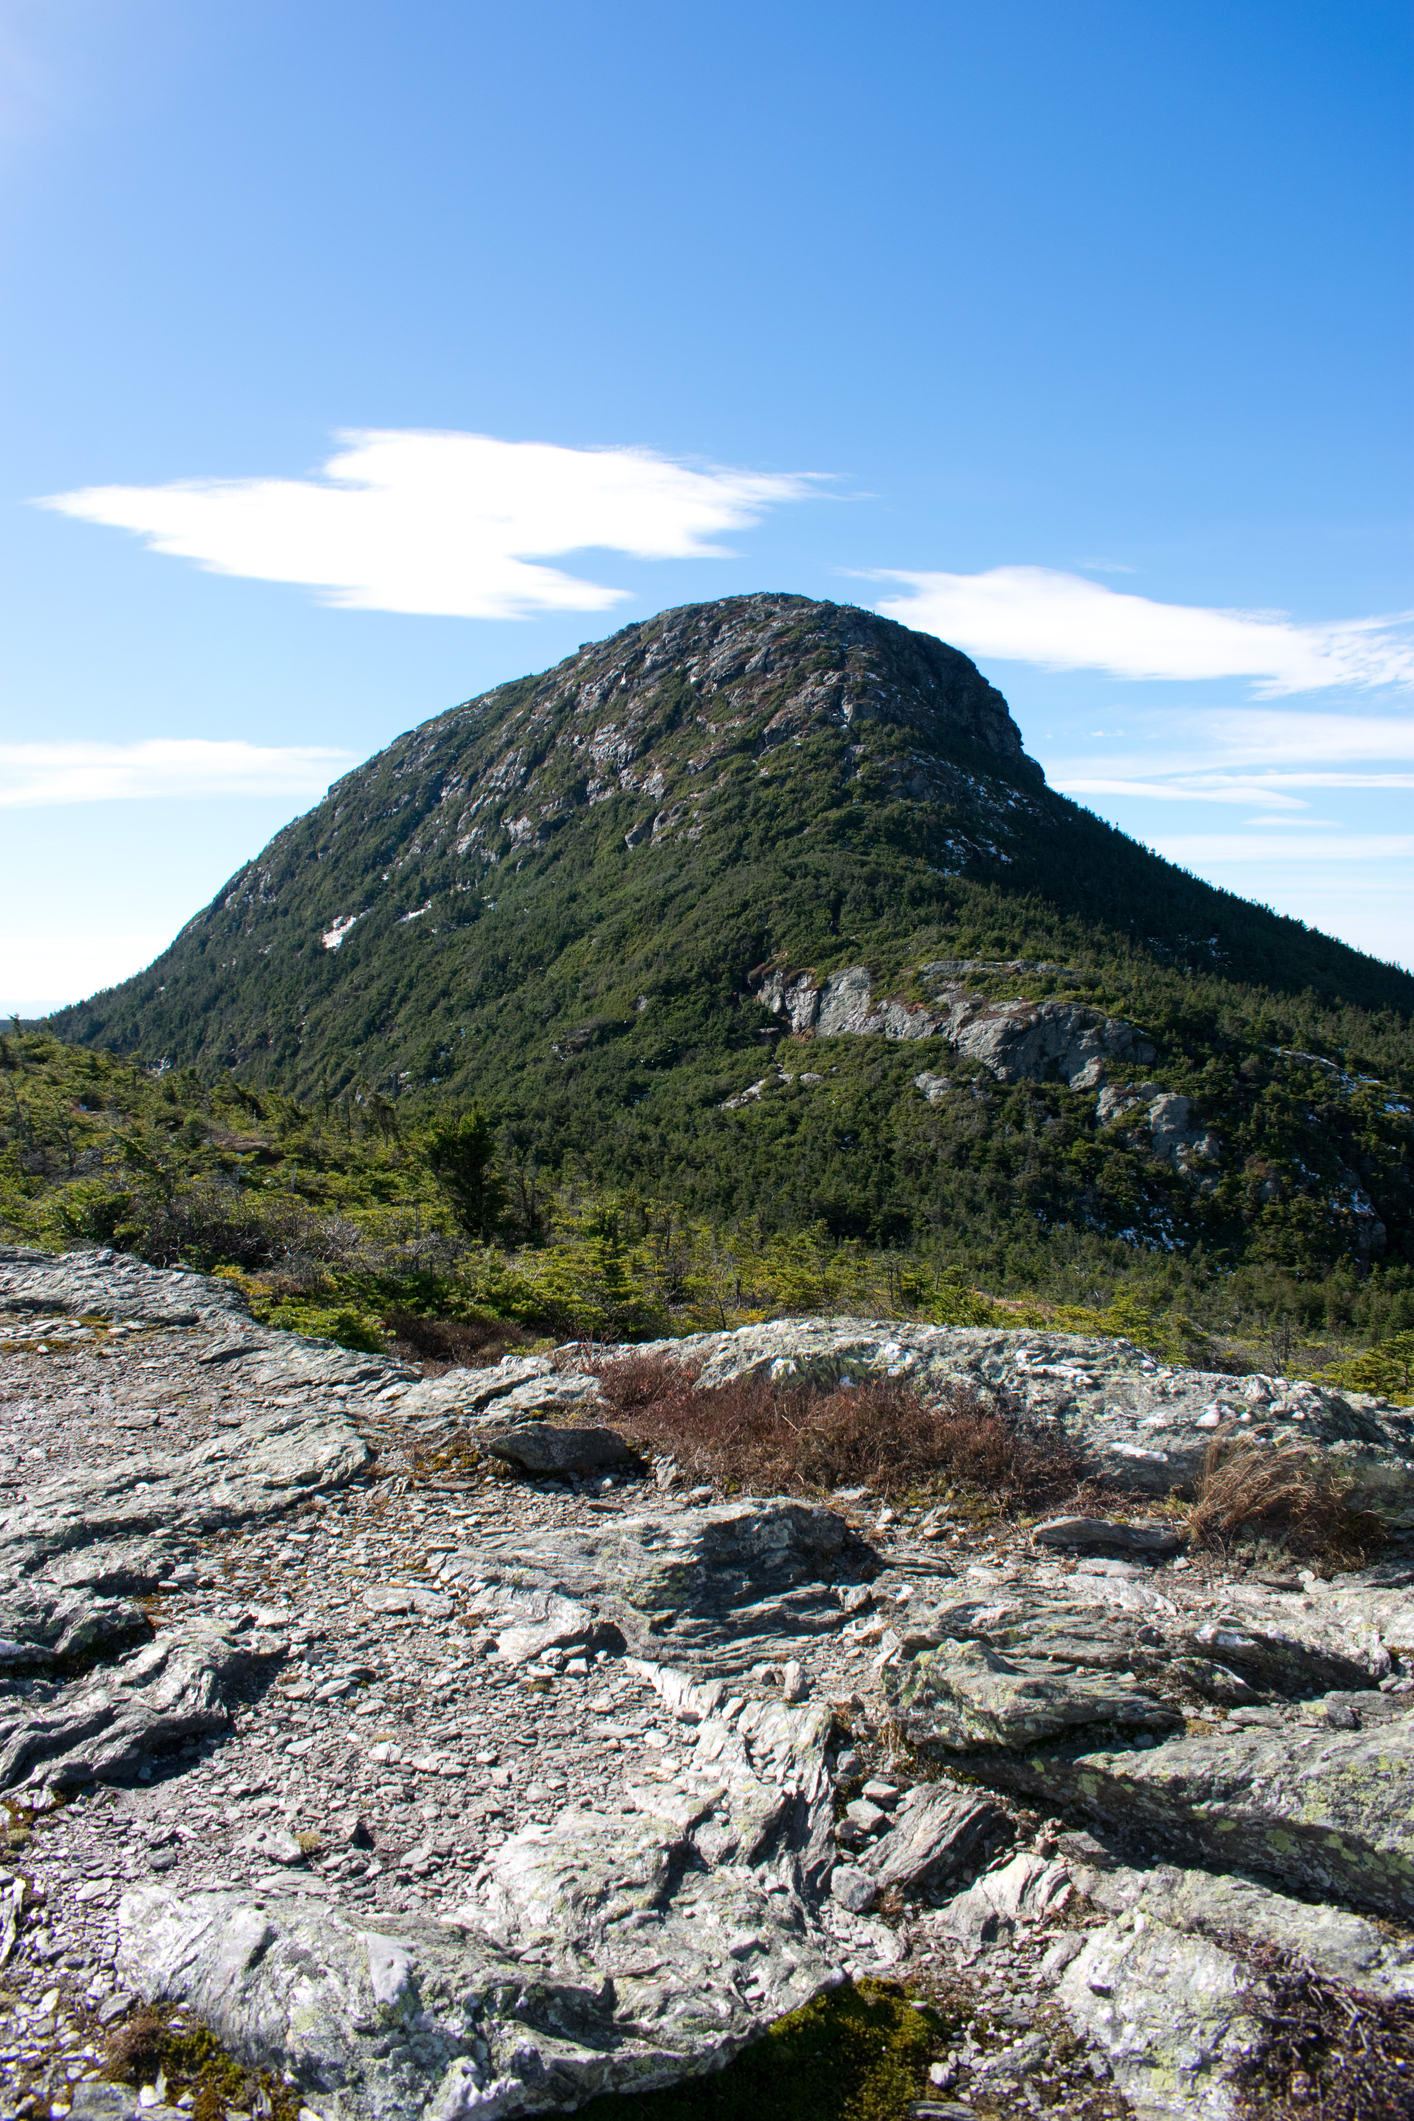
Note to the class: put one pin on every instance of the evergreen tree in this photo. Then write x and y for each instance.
(460, 1151)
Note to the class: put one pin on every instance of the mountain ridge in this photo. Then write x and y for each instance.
(585, 898)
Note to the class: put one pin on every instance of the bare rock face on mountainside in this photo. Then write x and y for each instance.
(764, 898)
(438, 1785)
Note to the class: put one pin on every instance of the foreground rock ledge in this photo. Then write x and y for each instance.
(602, 1952)
(450, 1791)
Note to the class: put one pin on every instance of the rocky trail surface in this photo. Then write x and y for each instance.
(447, 1760)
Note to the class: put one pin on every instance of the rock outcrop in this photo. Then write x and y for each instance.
(1017, 1041)
(1147, 1425)
(443, 1779)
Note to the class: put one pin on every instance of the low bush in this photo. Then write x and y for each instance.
(784, 1437)
(1293, 1499)
(444, 1343)
(1387, 1368)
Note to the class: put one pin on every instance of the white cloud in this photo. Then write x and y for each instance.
(188, 767)
(1166, 785)
(43, 972)
(1039, 615)
(443, 523)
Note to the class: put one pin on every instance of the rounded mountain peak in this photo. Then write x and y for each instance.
(794, 663)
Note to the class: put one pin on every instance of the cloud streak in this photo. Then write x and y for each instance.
(1064, 621)
(1236, 746)
(444, 524)
(185, 767)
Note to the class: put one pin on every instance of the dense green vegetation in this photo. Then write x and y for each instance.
(555, 905)
(340, 1223)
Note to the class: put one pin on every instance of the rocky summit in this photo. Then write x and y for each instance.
(443, 1756)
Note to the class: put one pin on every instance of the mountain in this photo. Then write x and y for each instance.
(761, 905)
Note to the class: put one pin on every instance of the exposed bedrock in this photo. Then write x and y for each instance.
(453, 1782)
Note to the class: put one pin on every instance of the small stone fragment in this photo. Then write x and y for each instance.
(854, 1889)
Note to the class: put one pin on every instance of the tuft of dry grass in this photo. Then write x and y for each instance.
(782, 1438)
(1291, 1498)
(1326, 2052)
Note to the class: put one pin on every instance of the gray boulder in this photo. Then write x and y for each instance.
(100, 1283)
(1176, 2016)
(939, 1829)
(1027, 1890)
(44, 1626)
(1236, 1910)
(528, 1622)
(1106, 1535)
(716, 1588)
(516, 1388)
(1170, 1991)
(963, 1697)
(544, 1449)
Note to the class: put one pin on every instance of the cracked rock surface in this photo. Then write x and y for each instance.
(443, 1787)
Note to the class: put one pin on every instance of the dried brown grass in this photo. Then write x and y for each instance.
(1290, 1498)
(441, 1344)
(790, 1438)
(1326, 2052)
(159, 2042)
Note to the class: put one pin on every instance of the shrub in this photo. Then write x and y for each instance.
(1387, 1368)
(346, 1326)
(1292, 1498)
(441, 1343)
(880, 1434)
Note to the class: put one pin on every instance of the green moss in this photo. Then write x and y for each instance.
(860, 2053)
(161, 2041)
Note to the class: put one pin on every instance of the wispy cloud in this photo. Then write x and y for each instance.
(444, 523)
(189, 767)
(1227, 753)
(1040, 615)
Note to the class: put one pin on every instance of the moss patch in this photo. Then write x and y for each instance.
(860, 2053)
(161, 2041)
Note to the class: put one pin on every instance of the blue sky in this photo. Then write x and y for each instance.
(1079, 335)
